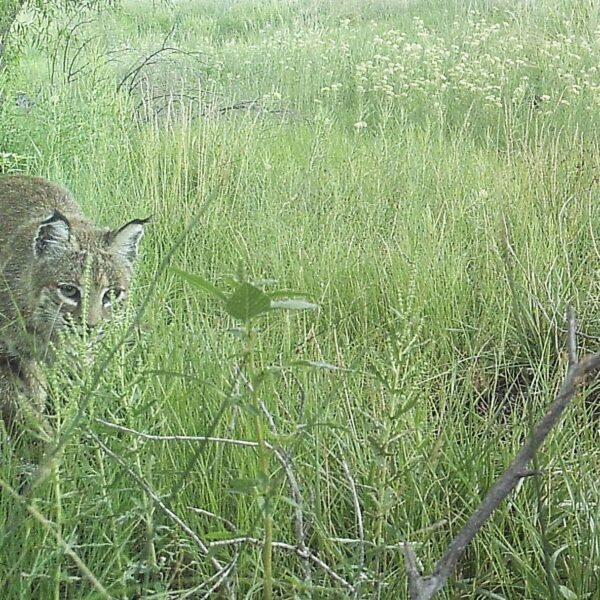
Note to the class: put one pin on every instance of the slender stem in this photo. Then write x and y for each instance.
(58, 523)
(263, 461)
(107, 499)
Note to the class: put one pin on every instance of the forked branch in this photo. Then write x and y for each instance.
(424, 588)
(130, 79)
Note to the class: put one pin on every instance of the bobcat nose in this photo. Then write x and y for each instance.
(93, 319)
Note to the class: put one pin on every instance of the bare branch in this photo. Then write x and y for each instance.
(424, 588)
(217, 577)
(357, 542)
(131, 78)
(419, 587)
(133, 73)
(156, 499)
(71, 71)
(221, 577)
(585, 336)
(241, 105)
(291, 548)
(206, 513)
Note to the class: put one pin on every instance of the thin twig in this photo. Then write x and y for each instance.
(156, 499)
(241, 105)
(367, 543)
(424, 588)
(291, 548)
(206, 513)
(216, 577)
(131, 77)
(72, 72)
(134, 71)
(180, 438)
(582, 334)
(221, 577)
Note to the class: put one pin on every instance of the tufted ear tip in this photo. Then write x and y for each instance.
(125, 240)
(52, 236)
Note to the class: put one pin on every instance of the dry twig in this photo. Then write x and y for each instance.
(131, 78)
(424, 588)
(157, 500)
(291, 548)
(301, 550)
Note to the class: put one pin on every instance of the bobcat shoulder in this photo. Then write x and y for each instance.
(50, 256)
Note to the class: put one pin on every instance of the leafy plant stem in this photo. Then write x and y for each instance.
(263, 459)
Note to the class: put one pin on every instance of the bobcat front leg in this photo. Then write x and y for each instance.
(23, 397)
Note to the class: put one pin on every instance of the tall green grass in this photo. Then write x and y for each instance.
(441, 229)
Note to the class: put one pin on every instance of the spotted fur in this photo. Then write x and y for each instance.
(51, 258)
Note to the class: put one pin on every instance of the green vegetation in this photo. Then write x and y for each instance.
(427, 173)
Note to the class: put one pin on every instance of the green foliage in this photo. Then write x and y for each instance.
(20, 18)
(441, 230)
(245, 304)
(249, 301)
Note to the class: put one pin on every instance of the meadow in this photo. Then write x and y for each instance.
(416, 183)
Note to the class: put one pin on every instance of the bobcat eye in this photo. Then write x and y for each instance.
(111, 296)
(70, 293)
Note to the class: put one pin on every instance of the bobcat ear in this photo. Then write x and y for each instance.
(52, 236)
(125, 241)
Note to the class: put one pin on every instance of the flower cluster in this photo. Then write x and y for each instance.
(481, 64)
(484, 65)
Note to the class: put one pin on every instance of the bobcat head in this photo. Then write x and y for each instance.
(79, 272)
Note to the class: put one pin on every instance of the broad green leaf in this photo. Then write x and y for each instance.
(247, 302)
(200, 283)
(290, 294)
(293, 304)
(318, 364)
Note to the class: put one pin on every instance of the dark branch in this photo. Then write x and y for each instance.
(424, 588)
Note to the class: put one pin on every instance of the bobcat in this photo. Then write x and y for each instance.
(50, 256)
